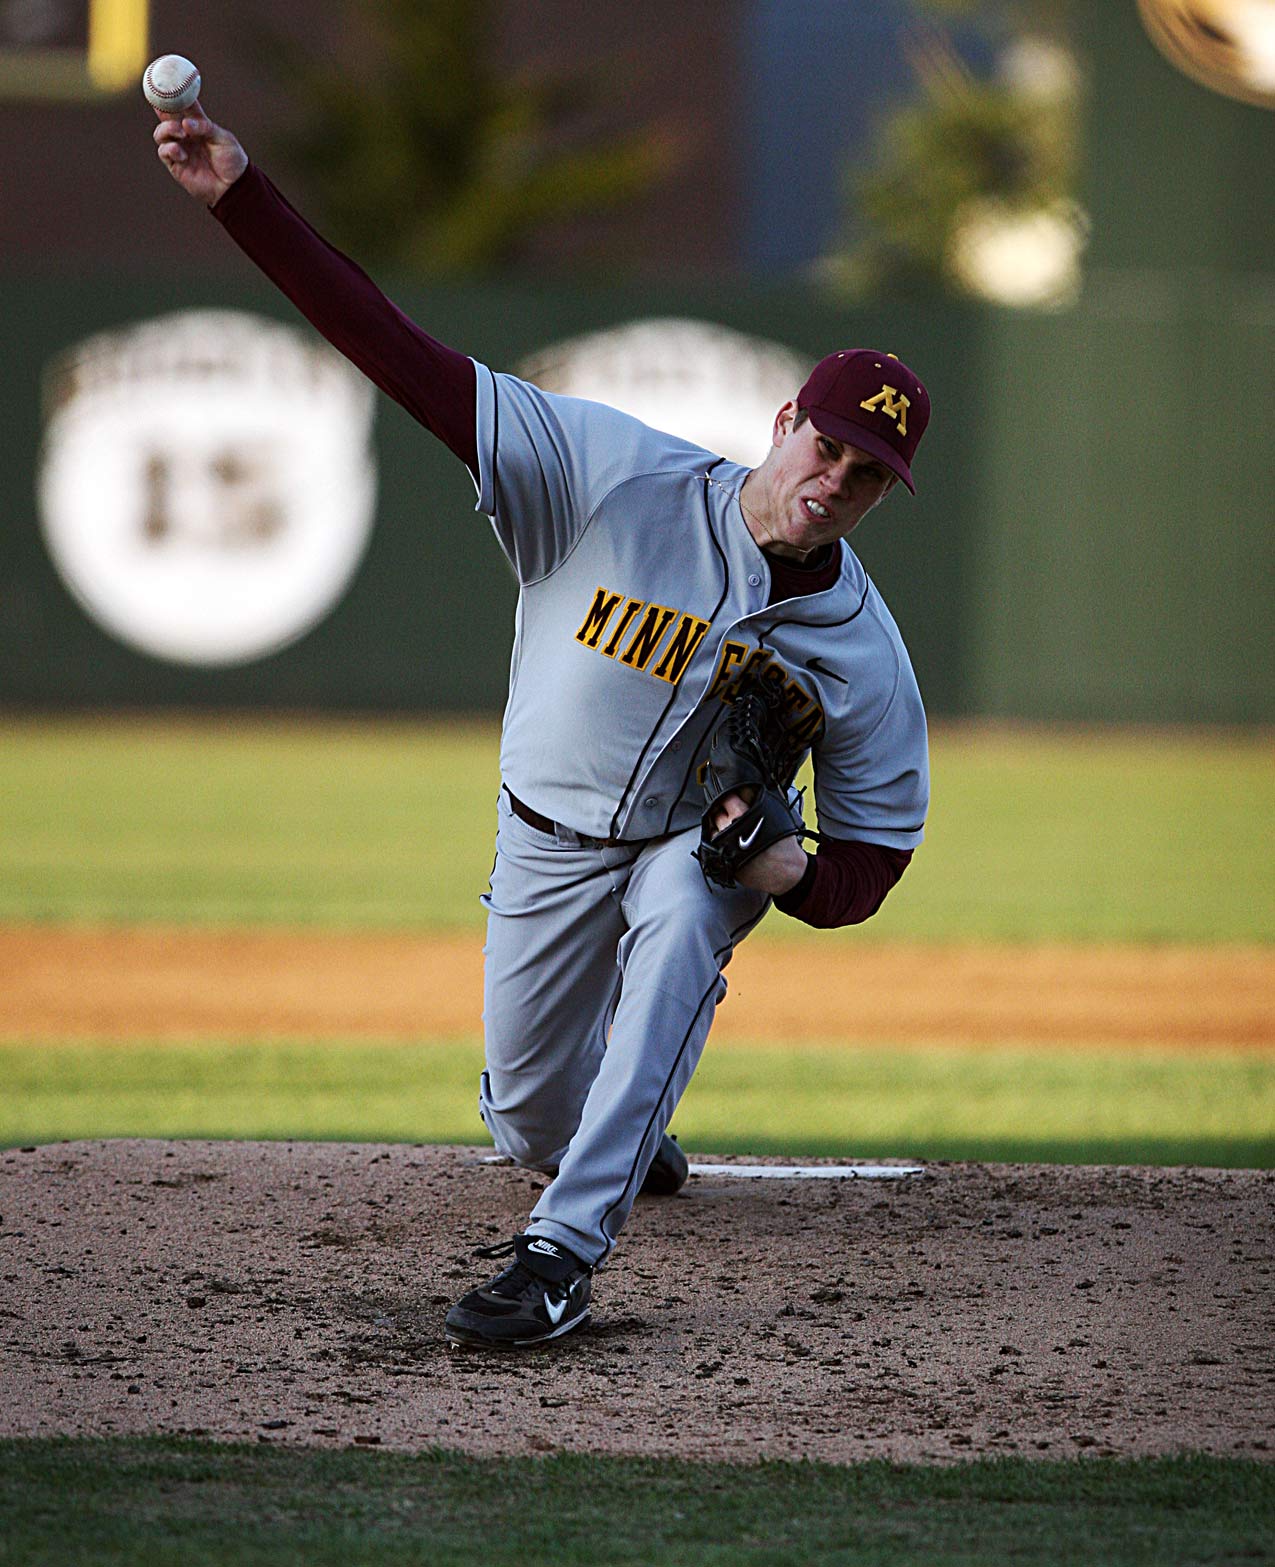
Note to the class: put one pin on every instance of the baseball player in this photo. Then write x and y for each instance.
(674, 610)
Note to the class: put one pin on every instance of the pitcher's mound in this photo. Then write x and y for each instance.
(295, 1292)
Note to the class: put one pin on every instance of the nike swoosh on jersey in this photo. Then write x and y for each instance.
(818, 666)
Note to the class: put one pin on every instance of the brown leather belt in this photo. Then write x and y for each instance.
(544, 824)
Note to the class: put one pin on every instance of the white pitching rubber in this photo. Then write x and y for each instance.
(783, 1172)
(810, 1172)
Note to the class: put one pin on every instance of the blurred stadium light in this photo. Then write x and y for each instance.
(1228, 45)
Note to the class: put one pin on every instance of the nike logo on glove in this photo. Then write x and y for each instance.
(757, 827)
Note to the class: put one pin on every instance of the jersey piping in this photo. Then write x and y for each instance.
(673, 694)
(736, 936)
(628, 478)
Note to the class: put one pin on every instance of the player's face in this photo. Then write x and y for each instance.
(821, 489)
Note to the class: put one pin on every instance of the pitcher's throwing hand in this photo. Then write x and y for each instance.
(204, 159)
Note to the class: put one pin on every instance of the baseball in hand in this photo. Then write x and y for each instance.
(171, 84)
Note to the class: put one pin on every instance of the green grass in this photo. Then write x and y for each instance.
(251, 822)
(1034, 835)
(84, 1503)
(1072, 1106)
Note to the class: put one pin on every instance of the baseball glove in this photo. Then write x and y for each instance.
(747, 756)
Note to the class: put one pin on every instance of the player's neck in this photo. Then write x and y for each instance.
(753, 504)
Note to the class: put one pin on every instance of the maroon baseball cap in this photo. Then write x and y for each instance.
(870, 400)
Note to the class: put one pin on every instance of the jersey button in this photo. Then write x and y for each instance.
(754, 581)
(651, 802)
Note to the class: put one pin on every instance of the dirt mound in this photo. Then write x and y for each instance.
(295, 1293)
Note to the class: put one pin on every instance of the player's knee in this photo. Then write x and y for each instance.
(530, 1148)
(676, 941)
(522, 1132)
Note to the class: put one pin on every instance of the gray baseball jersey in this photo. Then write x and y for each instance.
(643, 599)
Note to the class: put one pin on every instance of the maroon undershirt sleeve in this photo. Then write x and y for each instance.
(436, 385)
(846, 881)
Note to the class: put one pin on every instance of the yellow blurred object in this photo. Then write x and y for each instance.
(117, 40)
(1228, 45)
(48, 55)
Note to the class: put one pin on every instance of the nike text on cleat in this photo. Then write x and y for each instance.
(542, 1294)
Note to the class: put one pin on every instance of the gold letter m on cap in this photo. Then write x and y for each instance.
(888, 402)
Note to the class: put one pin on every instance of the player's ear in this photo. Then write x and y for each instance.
(783, 423)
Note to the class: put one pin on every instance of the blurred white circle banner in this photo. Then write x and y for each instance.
(207, 483)
(706, 383)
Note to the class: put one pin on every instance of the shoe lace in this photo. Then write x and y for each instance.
(502, 1249)
(517, 1280)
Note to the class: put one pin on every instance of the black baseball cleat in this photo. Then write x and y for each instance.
(668, 1170)
(542, 1294)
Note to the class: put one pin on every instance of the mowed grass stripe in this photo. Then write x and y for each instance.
(1085, 1106)
(162, 1502)
(1034, 835)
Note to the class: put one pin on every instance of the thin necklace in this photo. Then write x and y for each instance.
(750, 514)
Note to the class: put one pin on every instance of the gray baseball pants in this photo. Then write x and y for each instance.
(603, 967)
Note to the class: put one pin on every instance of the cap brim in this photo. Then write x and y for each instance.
(855, 435)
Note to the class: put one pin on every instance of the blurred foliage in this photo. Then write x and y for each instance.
(421, 151)
(1005, 142)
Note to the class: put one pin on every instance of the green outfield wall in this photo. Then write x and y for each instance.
(427, 620)
(1092, 538)
(1125, 536)
(1093, 535)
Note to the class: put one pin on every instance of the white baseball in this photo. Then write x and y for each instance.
(171, 83)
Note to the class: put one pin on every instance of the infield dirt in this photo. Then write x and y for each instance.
(293, 1292)
(149, 983)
